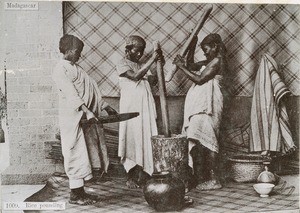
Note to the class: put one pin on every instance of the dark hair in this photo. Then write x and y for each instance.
(70, 42)
(214, 39)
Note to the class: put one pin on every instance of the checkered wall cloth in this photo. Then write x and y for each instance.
(248, 31)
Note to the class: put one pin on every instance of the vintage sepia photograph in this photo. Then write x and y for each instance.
(149, 106)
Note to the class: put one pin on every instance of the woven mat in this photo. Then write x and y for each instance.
(248, 30)
(116, 197)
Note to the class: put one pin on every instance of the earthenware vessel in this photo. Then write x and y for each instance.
(164, 192)
(266, 176)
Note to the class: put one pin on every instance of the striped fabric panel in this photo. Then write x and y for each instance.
(285, 129)
(269, 121)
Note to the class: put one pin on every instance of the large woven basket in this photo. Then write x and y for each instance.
(247, 167)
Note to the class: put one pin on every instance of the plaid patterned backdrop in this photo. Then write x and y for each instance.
(247, 30)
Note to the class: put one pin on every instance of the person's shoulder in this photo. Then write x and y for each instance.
(214, 65)
(58, 66)
(215, 62)
(61, 67)
(61, 64)
(123, 61)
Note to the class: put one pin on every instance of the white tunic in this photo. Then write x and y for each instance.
(75, 88)
(135, 134)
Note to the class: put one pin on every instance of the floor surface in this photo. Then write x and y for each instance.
(20, 192)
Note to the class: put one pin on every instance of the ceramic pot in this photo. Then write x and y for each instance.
(164, 192)
(263, 189)
(266, 176)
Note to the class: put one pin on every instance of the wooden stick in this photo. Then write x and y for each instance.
(162, 94)
(184, 50)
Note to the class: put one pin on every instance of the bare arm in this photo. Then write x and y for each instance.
(136, 76)
(196, 66)
(208, 73)
(190, 63)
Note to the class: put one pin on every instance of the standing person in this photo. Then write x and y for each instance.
(203, 108)
(135, 147)
(79, 96)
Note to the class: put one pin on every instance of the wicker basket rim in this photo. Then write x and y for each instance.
(250, 158)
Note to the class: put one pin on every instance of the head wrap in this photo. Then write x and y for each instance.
(135, 41)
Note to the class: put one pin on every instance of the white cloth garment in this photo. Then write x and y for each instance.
(135, 134)
(75, 88)
(202, 114)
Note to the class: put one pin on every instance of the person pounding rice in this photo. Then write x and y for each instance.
(135, 147)
(203, 108)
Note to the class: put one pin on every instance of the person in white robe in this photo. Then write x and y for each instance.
(79, 96)
(135, 149)
(203, 108)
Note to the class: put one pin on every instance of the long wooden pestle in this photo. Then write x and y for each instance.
(162, 94)
(206, 11)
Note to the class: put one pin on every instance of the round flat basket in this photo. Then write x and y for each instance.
(246, 168)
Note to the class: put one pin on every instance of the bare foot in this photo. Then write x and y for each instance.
(131, 184)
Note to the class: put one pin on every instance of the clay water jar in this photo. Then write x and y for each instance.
(164, 192)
